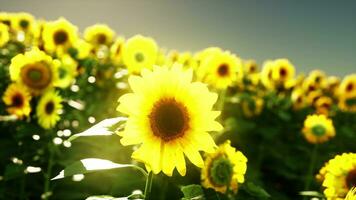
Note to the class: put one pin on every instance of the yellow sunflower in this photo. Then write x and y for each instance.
(83, 48)
(139, 52)
(116, 50)
(347, 87)
(347, 103)
(266, 75)
(59, 35)
(170, 116)
(6, 18)
(318, 129)
(298, 99)
(186, 59)
(340, 176)
(315, 80)
(313, 96)
(351, 195)
(282, 71)
(323, 105)
(24, 22)
(4, 34)
(35, 70)
(250, 67)
(48, 109)
(17, 99)
(333, 83)
(67, 70)
(225, 167)
(99, 34)
(221, 70)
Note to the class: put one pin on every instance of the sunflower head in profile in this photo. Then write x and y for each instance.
(323, 105)
(339, 176)
(333, 83)
(58, 36)
(351, 195)
(170, 116)
(139, 52)
(17, 99)
(116, 50)
(4, 34)
(48, 109)
(318, 129)
(67, 70)
(99, 34)
(298, 99)
(266, 75)
(347, 87)
(221, 69)
(225, 167)
(35, 70)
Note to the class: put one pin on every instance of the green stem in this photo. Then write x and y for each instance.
(148, 186)
(221, 103)
(49, 172)
(310, 176)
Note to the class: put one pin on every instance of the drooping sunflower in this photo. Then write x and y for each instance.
(99, 34)
(67, 70)
(318, 129)
(35, 70)
(351, 195)
(139, 52)
(221, 70)
(59, 35)
(170, 116)
(347, 87)
(282, 71)
(340, 176)
(116, 50)
(4, 34)
(225, 167)
(48, 109)
(17, 99)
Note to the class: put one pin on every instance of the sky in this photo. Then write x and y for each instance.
(318, 34)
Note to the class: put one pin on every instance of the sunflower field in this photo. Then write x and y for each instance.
(94, 115)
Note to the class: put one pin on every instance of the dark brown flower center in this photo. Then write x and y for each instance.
(223, 70)
(139, 57)
(36, 75)
(349, 87)
(60, 37)
(283, 72)
(351, 179)
(169, 119)
(252, 68)
(49, 108)
(24, 24)
(17, 100)
(101, 39)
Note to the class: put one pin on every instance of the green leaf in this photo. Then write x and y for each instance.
(105, 197)
(89, 165)
(255, 190)
(192, 192)
(14, 171)
(100, 129)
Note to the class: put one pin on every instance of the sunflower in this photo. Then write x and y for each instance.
(67, 71)
(351, 195)
(347, 87)
(161, 57)
(82, 48)
(266, 75)
(347, 103)
(116, 50)
(17, 99)
(48, 109)
(252, 107)
(333, 83)
(318, 129)
(99, 34)
(35, 70)
(171, 116)
(313, 96)
(186, 59)
(139, 52)
(323, 105)
(250, 67)
(340, 176)
(24, 22)
(6, 18)
(298, 99)
(58, 36)
(315, 80)
(4, 34)
(221, 70)
(282, 71)
(225, 167)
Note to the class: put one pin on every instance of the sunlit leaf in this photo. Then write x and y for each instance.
(192, 192)
(89, 165)
(105, 197)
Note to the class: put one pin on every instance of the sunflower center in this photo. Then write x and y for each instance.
(169, 119)
(351, 178)
(62, 72)
(24, 23)
(283, 72)
(36, 75)
(101, 39)
(318, 79)
(139, 57)
(60, 37)
(318, 130)
(49, 108)
(252, 68)
(221, 171)
(6, 22)
(17, 100)
(223, 70)
(349, 87)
